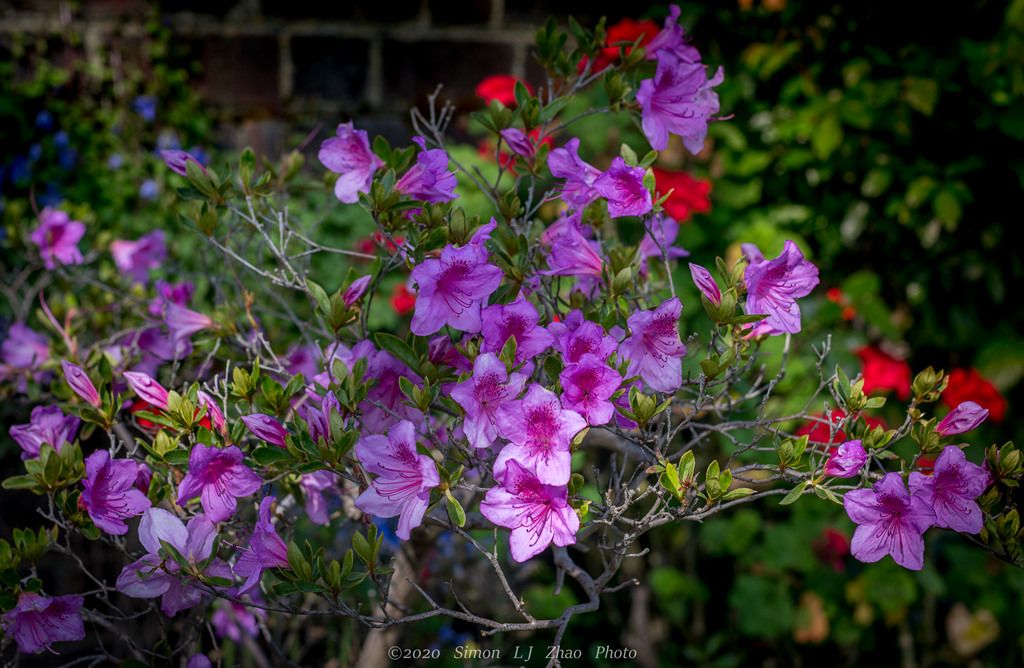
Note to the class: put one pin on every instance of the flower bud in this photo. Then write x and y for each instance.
(80, 383)
(356, 291)
(148, 389)
(846, 460)
(963, 418)
(266, 428)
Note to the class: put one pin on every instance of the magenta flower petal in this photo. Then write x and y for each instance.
(623, 187)
(146, 388)
(892, 521)
(47, 424)
(220, 478)
(57, 237)
(952, 489)
(429, 179)
(961, 419)
(489, 388)
(774, 286)
(578, 190)
(109, 495)
(81, 383)
(654, 350)
(266, 428)
(706, 284)
(452, 290)
(846, 460)
(38, 621)
(678, 100)
(349, 155)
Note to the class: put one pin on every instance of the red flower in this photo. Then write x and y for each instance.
(817, 432)
(402, 300)
(689, 196)
(500, 87)
(969, 385)
(626, 30)
(884, 372)
(150, 427)
(831, 547)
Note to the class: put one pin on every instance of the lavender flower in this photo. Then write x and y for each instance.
(266, 428)
(565, 163)
(136, 258)
(404, 478)
(678, 100)
(356, 290)
(37, 621)
(952, 489)
(540, 431)
(23, 353)
(452, 290)
(429, 179)
(177, 160)
(47, 424)
(349, 154)
(572, 254)
(584, 337)
(182, 323)
(671, 40)
(218, 478)
(654, 350)
(481, 396)
(313, 486)
(110, 495)
(774, 286)
(57, 237)
(706, 284)
(516, 319)
(892, 521)
(265, 550)
(538, 514)
(846, 460)
(81, 383)
(623, 187)
(589, 385)
(961, 419)
(162, 577)
(519, 142)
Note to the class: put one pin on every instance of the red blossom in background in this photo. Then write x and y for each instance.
(500, 87)
(626, 30)
(402, 300)
(689, 196)
(818, 432)
(837, 297)
(832, 547)
(882, 371)
(969, 385)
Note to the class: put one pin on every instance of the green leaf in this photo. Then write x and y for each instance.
(267, 456)
(793, 495)
(320, 295)
(397, 347)
(177, 457)
(455, 511)
(827, 136)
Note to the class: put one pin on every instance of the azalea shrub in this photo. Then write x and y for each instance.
(256, 453)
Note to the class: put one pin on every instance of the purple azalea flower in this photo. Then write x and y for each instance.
(266, 429)
(218, 478)
(81, 383)
(213, 412)
(774, 286)
(385, 400)
(429, 179)
(356, 290)
(952, 489)
(961, 419)
(37, 621)
(176, 161)
(660, 233)
(349, 154)
(679, 99)
(23, 352)
(136, 258)
(57, 237)
(452, 290)
(538, 514)
(516, 319)
(231, 620)
(47, 424)
(654, 350)
(441, 352)
(846, 460)
(565, 163)
(318, 420)
(110, 495)
(540, 432)
(404, 478)
(162, 576)
(891, 521)
(572, 254)
(671, 40)
(623, 187)
(313, 486)
(589, 385)
(265, 550)
(482, 394)
(706, 284)
(586, 337)
(519, 142)
(182, 323)
(199, 661)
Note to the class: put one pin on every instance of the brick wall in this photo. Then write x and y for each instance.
(272, 64)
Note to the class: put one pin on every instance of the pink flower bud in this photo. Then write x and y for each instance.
(846, 460)
(80, 383)
(356, 291)
(148, 389)
(963, 418)
(213, 412)
(708, 287)
(176, 161)
(266, 428)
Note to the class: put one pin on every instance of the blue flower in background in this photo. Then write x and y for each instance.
(51, 196)
(145, 106)
(61, 139)
(115, 161)
(148, 190)
(19, 170)
(167, 141)
(35, 151)
(44, 120)
(200, 154)
(66, 158)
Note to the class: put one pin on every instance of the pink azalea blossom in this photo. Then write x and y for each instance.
(671, 40)
(162, 577)
(146, 388)
(349, 155)
(678, 100)
(47, 424)
(773, 286)
(623, 187)
(891, 521)
(404, 478)
(517, 319)
(81, 383)
(266, 428)
(264, 550)
(654, 350)
(22, 354)
(589, 385)
(961, 419)
(429, 179)
(136, 258)
(313, 486)
(37, 621)
(565, 163)
(586, 337)
(538, 514)
(218, 478)
(57, 237)
(482, 394)
(952, 489)
(452, 290)
(110, 495)
(572, 254)
(356, 290)
(706, 284)
(540, 432)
